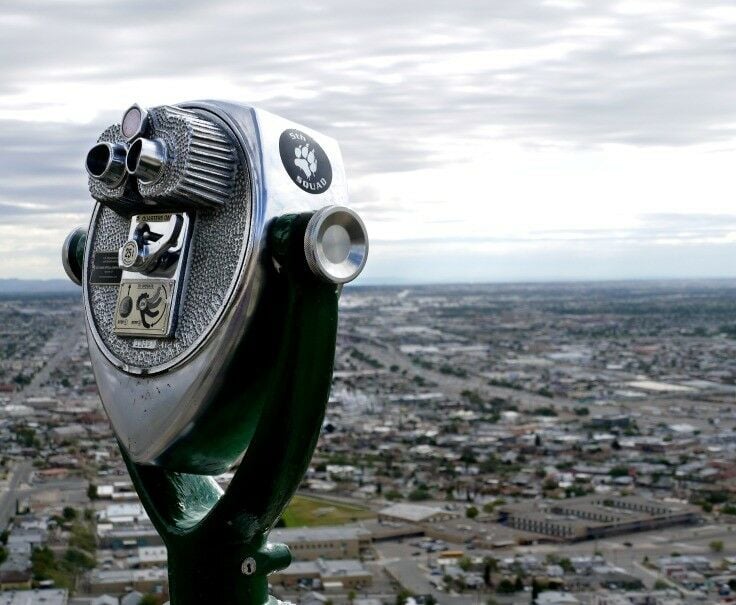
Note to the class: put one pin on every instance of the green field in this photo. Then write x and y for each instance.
(305, 511)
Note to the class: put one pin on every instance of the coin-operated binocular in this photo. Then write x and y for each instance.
(211, 271)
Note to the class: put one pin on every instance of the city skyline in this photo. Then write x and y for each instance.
(481, 444)
(523, 141)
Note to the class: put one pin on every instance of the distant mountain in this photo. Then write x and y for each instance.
(38, 286)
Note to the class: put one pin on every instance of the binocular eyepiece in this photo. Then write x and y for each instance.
(111, 163)
(106, 163)
(169, 156)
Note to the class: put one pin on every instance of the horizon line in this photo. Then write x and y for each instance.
(400, 282)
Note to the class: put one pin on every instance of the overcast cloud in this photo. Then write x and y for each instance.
(511, 139)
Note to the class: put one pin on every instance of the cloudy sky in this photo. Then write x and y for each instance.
(483, 139)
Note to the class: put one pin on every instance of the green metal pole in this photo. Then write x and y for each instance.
(217, 541)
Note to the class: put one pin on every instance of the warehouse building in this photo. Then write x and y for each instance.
(593, 517)
(415, 513)
(310, 543)
(122, 580)
(339, 574)
(34, 597)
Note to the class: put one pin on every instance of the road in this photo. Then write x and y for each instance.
(65, 340)
(19, 475)
(455, 385)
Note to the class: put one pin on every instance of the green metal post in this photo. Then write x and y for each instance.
(217, 541)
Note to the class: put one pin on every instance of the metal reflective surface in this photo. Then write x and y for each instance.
(134, 122)
(146, 159)
(72, 254)
(336, 244)
(211, 278)
(155, 410)
(106, 163)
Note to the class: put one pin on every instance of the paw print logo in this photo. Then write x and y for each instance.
(305, 160)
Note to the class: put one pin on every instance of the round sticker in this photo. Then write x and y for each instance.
(305, 161)
(130, 253)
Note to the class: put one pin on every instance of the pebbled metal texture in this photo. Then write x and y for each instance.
(199, 169)
(217, 252)
(123, 198)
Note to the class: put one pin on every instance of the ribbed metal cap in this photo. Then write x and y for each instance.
(336, 244)
(72, 252)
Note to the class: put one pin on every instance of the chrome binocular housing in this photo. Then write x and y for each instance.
(178, 264)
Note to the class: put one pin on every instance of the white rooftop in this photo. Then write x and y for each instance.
(34, 597)
(412, 512)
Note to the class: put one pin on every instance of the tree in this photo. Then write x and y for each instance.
(69, 513)
(403, 596)
(43, 563)
(728, 509)
(420, 493)
(92, 491)
(3, 554)
(489, 566)
(464, 563)
(537, 587)
(567, 565)
(661, 585)
(716, 545)
(505, 586)
(467, 456)
(26, 436)
(549, 485)
(82, 538)
(471, 512)
(518, 584)
(488, 507)
(77, 560)
(351, 596)
(149, 599)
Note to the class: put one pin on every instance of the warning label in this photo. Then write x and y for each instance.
(144, 308)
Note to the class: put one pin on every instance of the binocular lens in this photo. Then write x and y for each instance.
(98, 159)
(106, 162)
(146, 159)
